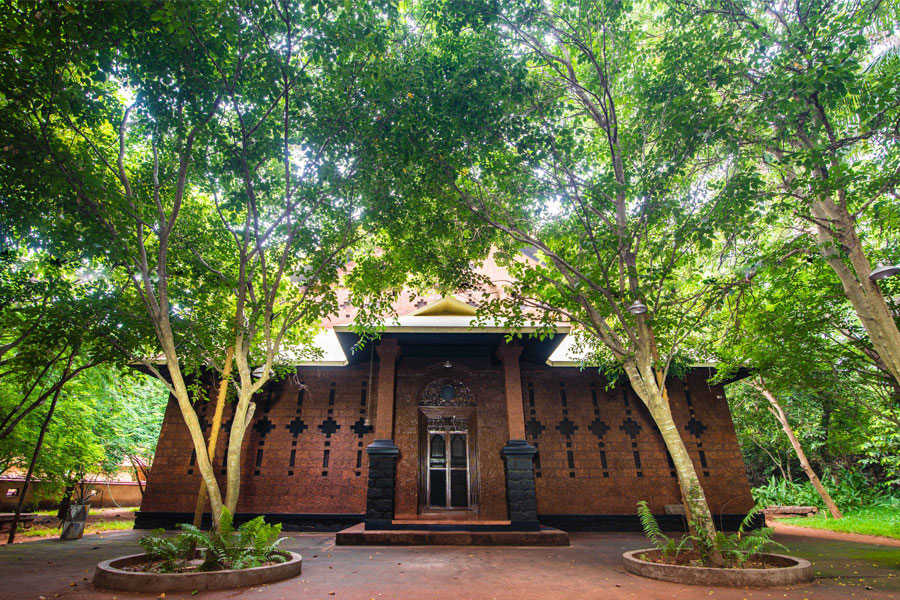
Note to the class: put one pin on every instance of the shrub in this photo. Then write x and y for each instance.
(252, 544)
(848, 489)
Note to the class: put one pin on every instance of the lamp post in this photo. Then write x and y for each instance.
(637, 308)
(883, 271)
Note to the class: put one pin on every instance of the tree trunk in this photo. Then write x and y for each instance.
(837, 237)
(695, 503)
(780, 415)
(214, 432)
(37, 451)
(243, 414)
(193, 424)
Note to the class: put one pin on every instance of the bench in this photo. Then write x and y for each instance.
(25, 520)
(790, 511)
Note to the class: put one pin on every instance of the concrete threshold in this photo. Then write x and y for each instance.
(358, 535)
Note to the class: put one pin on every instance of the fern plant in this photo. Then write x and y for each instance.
(171, 553)
(250, 545)
(669, 547)
(741, 546)
(736, 548)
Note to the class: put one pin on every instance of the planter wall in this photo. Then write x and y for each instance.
(110, 575)
(788, 571)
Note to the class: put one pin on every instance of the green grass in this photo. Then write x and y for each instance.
(877, 520)
(96, 527)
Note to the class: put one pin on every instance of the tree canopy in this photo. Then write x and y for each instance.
(185, 185)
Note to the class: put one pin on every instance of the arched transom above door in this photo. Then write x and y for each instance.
(446, 392)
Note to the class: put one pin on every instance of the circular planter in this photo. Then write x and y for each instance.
(110, 575)
(787, 571)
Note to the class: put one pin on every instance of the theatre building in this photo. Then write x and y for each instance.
(439, 421)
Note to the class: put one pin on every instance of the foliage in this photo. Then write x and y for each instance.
(741, 546)
(56, 318)
(171, 552)
(252, 544)
(206, 153)
(669, 547)
(849, 489)
(736, 548)
(104, 416)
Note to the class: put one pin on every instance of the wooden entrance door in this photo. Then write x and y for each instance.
(448, 473)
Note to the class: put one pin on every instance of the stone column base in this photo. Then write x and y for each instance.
(521, 501)
(380, 496)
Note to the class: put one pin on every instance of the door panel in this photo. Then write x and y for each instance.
(448, 480)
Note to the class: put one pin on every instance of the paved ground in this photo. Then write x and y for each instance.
(42, 521)
(590, 568)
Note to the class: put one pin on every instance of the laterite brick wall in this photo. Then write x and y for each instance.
(303, 453)
(598, 451)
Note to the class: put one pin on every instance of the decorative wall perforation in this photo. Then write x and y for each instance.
(263, 424)
(696, 428)
(226, 427)
(599, 428)
(533, 427)
(567, 428)
(201, 418)
(329, 427)
(360, 428)
(297, 426)
(632, 428)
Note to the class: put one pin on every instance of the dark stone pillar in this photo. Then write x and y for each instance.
(380, 497)
(521, 501)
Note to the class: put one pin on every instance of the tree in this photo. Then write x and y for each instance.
(596, 135)
(101, 419)
(54, 320)
(792, 328)
(198, 142)
(825, 111)
(778, 412)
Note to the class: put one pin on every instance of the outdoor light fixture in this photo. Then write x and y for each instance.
(448, 365)
(883, 271)
(638, 308)
(367, 422)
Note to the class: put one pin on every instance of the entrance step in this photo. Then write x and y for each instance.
(403, 523)
(358, 535)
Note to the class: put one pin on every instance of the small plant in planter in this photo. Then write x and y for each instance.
(738, 549)
(76, 510)
(253, 544)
